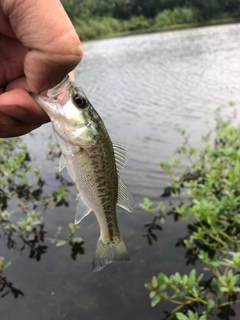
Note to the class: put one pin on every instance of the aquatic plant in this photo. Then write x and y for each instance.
(22, 203)
(207, 191)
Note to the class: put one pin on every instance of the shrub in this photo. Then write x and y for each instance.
(211, 210)
(176, 16)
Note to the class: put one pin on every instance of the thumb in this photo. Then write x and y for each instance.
(44, 28)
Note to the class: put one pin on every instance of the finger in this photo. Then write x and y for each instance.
(18, 83)
(19, 105)
(12, 56)
(10, 127)
(44, 28)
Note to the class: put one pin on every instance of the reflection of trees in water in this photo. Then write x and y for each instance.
(22, 188)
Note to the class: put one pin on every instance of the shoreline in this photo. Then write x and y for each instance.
(174, 27)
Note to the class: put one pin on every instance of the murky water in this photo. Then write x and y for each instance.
(145, 88)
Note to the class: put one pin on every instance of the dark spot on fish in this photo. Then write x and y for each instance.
(99, 179)
(109, 219)
(110, 231)
(99, 171)
(106, 208)
(110, 225)
(102, 184)
(103, 200)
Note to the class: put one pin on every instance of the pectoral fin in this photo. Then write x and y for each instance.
(82, 209)
(62, 163)
(125, 197)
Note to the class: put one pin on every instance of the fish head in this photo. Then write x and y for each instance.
(72, 116)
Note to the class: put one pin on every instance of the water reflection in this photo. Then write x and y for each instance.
(152, 228)
(7, 287)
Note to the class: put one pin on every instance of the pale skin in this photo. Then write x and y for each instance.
(38, 48)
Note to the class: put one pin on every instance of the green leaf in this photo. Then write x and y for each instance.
(161, 279)
(7, 264)
(77, 240)
(191, 315)
(224, 289)
(155, 301)
(181, 316)
(61, 243)
(148, 286)
(211, 304)
(192, 277)
(184, 279)
(154, 282)
(223, 280)
(152, 294)
(177, 278)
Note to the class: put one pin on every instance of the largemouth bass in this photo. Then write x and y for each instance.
(94, 164)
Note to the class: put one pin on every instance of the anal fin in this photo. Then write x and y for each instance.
(82, 210)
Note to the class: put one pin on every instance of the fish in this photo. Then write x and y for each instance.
(93, 162)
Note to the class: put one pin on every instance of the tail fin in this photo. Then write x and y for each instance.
(109, 252)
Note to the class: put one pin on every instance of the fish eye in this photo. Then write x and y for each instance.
(80, 102)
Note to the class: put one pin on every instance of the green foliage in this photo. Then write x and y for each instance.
(71, 237)
(86, 9)
(102, 18)
(21, 186)
(138, 23)
(5, 286)
(209, 202)
(176, 16)
(3, 265)
(191, 316)
(60, 196)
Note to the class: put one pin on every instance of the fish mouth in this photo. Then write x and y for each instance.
(56, 92)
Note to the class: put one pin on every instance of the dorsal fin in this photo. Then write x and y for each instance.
(120, 154)
(125, 197)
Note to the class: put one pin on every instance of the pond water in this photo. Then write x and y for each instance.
(145, 88)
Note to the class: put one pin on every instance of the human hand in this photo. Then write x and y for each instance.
(38, 47)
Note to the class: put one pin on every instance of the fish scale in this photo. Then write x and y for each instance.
(99, 176)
